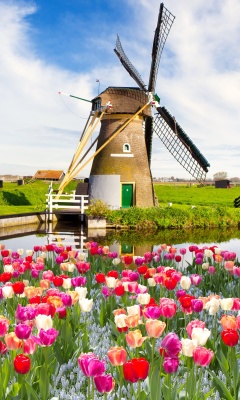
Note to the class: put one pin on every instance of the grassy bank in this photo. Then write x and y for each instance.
(192, 206)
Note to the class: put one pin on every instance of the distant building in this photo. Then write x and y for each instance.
(49, 175)
(222, 184)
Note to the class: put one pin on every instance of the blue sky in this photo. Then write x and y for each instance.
(66, 45)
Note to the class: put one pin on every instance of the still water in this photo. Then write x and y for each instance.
(131, 242)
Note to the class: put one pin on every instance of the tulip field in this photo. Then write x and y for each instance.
(94, 324)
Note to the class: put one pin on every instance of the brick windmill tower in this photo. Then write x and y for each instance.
(120, 173)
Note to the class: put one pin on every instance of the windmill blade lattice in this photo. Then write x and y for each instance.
(128, 65)
(180, 145)
(164, 24)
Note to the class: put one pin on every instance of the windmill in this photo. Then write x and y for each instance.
(120, 173)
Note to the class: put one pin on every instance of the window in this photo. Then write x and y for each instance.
(96, 104)
(126, 148)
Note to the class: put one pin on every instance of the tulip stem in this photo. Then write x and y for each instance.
(89, 388)
(120, 381)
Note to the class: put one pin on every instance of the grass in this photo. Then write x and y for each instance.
(194, 195)
(191, 206)
(27, 198)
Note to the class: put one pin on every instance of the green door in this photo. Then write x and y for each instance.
(127, 195)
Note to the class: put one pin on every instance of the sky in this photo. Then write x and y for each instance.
(49, 46)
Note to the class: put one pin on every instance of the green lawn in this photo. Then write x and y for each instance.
(194, 195)
(31, 197)
(27, 198)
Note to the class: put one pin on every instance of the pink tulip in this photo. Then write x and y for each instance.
(183, 251)
(104, 383)
(90, 364)
(196, 279)
(48, 275)
(202, 356)
(236, 271)
(4, 325)
(236, 304)
(29, 346)
(168, 307)
(46, 337)
(211, 270)
(194, 324)
(132, 287)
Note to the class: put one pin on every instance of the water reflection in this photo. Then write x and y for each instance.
(122, 241)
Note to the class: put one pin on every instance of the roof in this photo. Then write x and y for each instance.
(48, 174)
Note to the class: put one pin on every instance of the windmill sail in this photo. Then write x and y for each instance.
(164, 24)
(128, 65)
(180, 145)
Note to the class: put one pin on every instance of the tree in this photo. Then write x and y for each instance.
(220, 175)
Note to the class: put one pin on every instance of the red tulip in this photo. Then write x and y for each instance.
(230, 337)
(57, 281)
(22, 364)
(142, 269)
(178, 258)
(136, 369)
(5, 277)
(119, 290)
(100, 277)
(18, 287)
(127, 259)
(93, 251)
(170, 283)
(113, 274)
(3, 348)
(5, 253)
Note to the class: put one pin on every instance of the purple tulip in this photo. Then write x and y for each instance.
(134, 276)
(16, 274)
(25, 313)
(1, 295)
(66, 299)
(23, 331)
(15, 255)
(104, 383)
(46, 338)
(198, 260)
(34, 273)
(79, 281)
(90, 364)
(196, 305)
(170, 365)
(171, 344)
(152, 312)
(59, 259)
(138, 261)
(180, 293)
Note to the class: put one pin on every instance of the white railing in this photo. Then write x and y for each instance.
(66, 202)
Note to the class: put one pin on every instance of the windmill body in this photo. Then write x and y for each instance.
(120, 173)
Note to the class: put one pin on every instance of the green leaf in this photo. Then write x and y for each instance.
(155, 384)
(220, 386)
